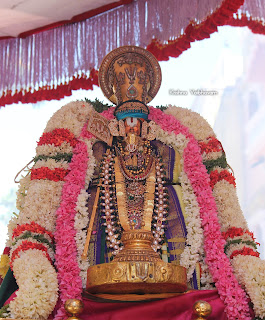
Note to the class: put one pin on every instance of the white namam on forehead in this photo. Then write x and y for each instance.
(131, 121)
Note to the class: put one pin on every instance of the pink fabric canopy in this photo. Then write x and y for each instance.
(49, 64)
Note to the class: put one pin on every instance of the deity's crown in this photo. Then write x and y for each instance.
(130, 77)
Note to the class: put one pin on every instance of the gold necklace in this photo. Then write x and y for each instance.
(131, 171)
(121, 194)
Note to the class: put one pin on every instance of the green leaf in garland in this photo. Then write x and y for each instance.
(58, 157)
(162, 108)
(238, 241)
(39, 237)
(219, 162)
(99, 106)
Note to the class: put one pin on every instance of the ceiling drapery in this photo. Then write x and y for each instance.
(251, 15)
(49, 64)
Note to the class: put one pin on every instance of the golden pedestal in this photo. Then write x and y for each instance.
(136, 269)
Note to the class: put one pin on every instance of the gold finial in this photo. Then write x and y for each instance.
(202, 309)
(74, 307)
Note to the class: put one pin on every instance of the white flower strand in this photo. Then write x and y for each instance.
(194, 241)
(38, 286)
(43, 199)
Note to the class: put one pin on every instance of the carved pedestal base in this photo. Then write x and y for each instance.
(136, 269)
(136, 277)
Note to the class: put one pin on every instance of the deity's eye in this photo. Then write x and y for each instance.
(132, 122)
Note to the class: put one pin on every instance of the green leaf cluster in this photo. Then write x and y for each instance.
(99, 106)
(4, 312)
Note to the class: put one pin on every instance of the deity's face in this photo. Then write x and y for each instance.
(133, 126)
(133, 133)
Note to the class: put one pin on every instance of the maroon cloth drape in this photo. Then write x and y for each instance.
(175, 308)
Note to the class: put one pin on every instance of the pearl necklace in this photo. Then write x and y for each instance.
(160, 208)
(108, 204)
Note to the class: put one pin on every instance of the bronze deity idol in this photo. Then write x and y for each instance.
(132, 192)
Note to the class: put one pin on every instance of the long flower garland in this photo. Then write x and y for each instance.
(38, 200)
(70, 283)
(194, 240)
(72, 218)
(229, 213)
(230, 291)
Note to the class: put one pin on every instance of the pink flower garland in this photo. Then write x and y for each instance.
(228, 287)
(70, 283)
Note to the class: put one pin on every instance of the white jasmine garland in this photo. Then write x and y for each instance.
(250, 272)
(22, 191)
(91, 161)
(52, 150)
(197, 125)
(82, 214)
(194, 241)
(38, 286)
(41, 203)
(190, 255)
(72, 116)
(81, 223)
(206, 277)
(230, 214)
(12, 224)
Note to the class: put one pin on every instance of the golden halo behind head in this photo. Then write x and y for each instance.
(129, 73)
